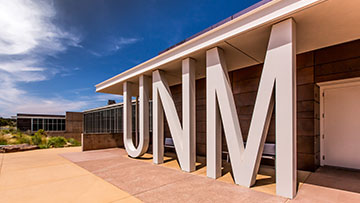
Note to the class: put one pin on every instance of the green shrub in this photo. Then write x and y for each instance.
(12, 130)
(39, 137)
(41, 132)
(57, 141)
(6, 131)
(3, 141)
(43, 146)
(74, 142)
(22, 139)
(7, 122)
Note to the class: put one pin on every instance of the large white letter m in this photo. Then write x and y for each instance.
(278, 74)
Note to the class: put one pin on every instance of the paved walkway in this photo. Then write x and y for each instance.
(45, 176)
(167, 183)
(164, 183)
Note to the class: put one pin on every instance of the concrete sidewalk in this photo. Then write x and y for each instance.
(45, 176)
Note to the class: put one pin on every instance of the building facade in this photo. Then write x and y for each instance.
(35, 122)
(282, 72)
(68, 126)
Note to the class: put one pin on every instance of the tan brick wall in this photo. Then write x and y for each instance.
(74, 122)
(55, 133)
(102, 141)
(76, 136)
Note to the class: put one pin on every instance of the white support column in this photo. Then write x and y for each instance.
(282, 54)
(213, 137)
(137, 120)
(183, 136)
(32, 121)
(144, 113)
(158, 123)
(127, 113)
(188, 112)
(144, 118)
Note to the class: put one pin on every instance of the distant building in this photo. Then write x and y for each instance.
(68, 126)
(34, 122)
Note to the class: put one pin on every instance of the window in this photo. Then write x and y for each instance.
(34, 125)
(108, 120)
(41, 123)
(50, 125)
(46, 124)
(104, 121)
(63, 125)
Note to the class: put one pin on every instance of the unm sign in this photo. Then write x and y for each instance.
(277, 88)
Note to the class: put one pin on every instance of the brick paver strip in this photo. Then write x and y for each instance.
(153, 183)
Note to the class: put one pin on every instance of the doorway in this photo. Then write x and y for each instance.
(340, 123)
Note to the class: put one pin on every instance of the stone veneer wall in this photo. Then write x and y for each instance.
(74, 125)
(101, 141)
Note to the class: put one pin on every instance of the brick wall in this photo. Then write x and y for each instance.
(307, 114)
(101, 141)
(74, 122)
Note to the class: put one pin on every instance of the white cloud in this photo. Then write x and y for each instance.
(8, 93)
(27, 36)
(121, 42)
(114, 45)
(26, 26)
(106, 97)
(19, 66)
(36, 105)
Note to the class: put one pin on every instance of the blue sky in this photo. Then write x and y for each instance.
(52, 53)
